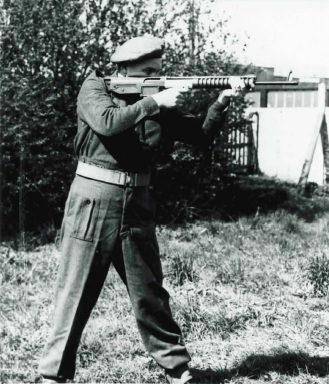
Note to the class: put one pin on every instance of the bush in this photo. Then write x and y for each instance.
(317, 273)
(181, 270)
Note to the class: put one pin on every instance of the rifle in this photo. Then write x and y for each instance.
(147, 86)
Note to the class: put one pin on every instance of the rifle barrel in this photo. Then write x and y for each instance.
(290, 82)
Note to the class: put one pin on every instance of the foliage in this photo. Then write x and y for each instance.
(39, 83)
(181, 269)
(48, 49)
(317, 274)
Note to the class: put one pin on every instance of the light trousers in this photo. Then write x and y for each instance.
(104, 224)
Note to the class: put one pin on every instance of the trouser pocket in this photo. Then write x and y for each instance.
(82, 216)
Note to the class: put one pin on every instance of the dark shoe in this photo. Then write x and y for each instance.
(181, 375)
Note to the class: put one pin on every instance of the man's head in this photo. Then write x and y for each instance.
(140, 68)
(139, 57)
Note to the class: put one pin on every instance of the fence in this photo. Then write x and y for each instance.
(239, 148)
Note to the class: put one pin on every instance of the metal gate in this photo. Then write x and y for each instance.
(236, 149)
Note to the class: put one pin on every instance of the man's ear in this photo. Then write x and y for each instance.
(122, 68)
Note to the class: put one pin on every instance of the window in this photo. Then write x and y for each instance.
(289, 99)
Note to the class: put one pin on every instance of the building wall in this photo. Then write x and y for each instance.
(285, 139)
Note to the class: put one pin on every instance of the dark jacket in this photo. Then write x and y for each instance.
(125, 133)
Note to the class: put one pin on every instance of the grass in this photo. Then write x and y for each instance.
(250, 294)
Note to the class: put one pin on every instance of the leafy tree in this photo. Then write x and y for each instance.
(41, 54)
(49, 47)
(196, 44)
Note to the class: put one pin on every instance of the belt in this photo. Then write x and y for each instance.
(113, 177)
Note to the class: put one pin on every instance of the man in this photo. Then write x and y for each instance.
(109, 214)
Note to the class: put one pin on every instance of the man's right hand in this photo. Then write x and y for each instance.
(169, 97)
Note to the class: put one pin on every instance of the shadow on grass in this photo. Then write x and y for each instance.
(244, 196)
(258, 366)
(235, 197)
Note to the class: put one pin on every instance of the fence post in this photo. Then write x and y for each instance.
(320, 129)
(322, 93)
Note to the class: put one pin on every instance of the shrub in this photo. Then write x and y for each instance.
(232, 272)
(317, 274)
(181, 270)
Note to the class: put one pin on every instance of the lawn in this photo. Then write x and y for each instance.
(251, 296)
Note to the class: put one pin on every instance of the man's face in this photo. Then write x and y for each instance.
(144, 68)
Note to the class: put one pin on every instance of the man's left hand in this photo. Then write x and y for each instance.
(237, 86)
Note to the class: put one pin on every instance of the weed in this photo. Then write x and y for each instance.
(181, 269)
(232, 272)
(88, 353)
(317, 273)
(292, 224)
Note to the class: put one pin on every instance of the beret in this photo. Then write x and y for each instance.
(138, 48)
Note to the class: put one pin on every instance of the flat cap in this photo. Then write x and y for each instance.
(138, 48)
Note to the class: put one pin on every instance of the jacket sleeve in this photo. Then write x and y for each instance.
(190, 129)
(96, 108)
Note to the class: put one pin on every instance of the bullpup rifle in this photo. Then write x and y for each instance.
(147, 86)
